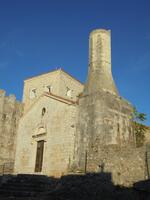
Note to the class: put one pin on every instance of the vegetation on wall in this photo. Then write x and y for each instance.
(139, 127)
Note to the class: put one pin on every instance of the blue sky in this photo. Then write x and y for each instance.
(37, 36)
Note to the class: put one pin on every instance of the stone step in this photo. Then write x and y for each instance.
(6, 193)
(32, 177)
(26, 186)
(30, 180)
(10, 185)
(22, 188)
(20, 198)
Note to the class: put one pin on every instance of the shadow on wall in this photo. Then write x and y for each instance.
(97, 186)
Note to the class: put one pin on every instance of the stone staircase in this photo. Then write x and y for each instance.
(25, 187)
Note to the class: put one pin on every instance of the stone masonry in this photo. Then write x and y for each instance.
(104, 122)
(69, 127)
(57, 82)
(10, 113)
(56, 126)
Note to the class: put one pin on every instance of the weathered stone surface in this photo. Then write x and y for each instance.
(127, 165)
(57, 127)
(83, 129)
(100, 75)
(10, 113)
(147, 136)
(58, 82)
(104, 136)
(104, 117)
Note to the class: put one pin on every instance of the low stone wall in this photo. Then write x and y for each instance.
(127, 165)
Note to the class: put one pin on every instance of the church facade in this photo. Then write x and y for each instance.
(46, 132)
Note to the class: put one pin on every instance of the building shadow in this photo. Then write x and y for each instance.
(90, 186)
(96, 186)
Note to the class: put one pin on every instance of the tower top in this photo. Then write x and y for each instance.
(100, 30)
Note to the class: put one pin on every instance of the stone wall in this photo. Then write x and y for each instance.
(147, 135)
(105, 140)
(104, 118)
(127, 165)
(10, 113)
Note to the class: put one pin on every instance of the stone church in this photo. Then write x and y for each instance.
(47, 128)
(63, 126)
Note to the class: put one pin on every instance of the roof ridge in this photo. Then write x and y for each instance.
(60, 69)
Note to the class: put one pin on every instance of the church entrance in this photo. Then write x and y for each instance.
(39, 156)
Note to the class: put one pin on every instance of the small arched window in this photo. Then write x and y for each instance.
(43, 111)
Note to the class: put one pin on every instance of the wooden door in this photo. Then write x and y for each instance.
(39, 156)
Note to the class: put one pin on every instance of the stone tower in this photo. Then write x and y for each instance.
(104, 117)
(10, 113)
(100, 75)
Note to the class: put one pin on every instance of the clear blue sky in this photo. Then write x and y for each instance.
(37, 36)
